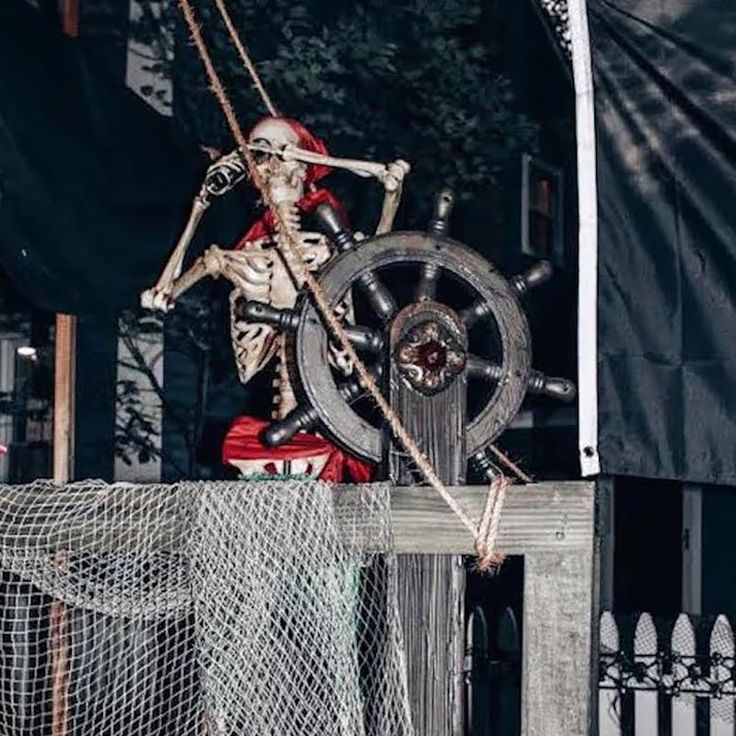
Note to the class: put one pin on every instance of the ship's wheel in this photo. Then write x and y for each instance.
(388, 276)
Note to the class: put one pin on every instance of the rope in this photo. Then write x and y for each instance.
(504, 459)
(245, 58)
(325, 308)
(490, 522)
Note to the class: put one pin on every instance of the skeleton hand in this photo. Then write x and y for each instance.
(394, 175)
(158, 298)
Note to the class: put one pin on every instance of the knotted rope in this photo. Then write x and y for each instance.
(485, 535)
(485, 542)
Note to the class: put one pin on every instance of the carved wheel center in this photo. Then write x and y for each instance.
(429, 357)
(432, 356)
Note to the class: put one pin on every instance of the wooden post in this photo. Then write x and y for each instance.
(557, 643)
(692, 548)
(70, 17)
(66, 338)
(63, 458)
(431, 586)
(64, 387)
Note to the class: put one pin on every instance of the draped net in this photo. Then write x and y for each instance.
(255, 608)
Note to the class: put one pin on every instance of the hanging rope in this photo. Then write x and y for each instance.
(293, 257)
(245, 58)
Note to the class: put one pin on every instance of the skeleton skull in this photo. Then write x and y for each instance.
(284, 179)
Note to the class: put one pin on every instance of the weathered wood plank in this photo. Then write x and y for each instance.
(536, 518)
(558, 605)
(431, 587)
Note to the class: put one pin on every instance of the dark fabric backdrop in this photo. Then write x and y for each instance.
(665, 80)
(94, 184)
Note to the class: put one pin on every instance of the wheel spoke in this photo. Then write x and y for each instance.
(305, 417)
(481, 368)
(254, 311)
(558, 388)
(365, 339)
(299, 419)
(427, 286)
(380, 298)
(477, 310)
(538, 274)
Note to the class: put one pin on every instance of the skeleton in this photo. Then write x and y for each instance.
(261, 272)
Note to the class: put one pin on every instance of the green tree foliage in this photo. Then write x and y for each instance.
(412, 79)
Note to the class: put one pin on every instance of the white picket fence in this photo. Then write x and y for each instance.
(666, 677)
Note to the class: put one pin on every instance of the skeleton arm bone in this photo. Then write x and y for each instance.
(151, 297)
(213, 262)
(220, 178)
(390, 175)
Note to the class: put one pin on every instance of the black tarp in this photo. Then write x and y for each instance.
(665, 103)
(94, 184)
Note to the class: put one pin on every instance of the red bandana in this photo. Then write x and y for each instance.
(314, 196)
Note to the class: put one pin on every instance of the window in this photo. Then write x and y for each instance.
(541, 210)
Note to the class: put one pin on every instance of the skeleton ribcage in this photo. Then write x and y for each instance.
(259, 273)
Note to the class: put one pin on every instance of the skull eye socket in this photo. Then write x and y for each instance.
(261, 156)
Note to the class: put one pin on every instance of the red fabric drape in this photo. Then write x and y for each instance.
(243, 442)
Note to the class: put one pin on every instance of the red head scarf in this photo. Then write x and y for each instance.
(314, 196)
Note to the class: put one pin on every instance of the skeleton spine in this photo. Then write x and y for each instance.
(283, 397)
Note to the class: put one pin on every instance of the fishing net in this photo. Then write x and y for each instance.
(212, 609)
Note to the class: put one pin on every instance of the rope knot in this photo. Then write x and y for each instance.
(489, 559)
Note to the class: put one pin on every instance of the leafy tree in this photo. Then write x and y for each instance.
(413, 79)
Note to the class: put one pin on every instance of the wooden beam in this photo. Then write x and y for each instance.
(540, 517)
(64, 386)
(70, 17)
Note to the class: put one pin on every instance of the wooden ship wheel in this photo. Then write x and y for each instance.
(429, 311)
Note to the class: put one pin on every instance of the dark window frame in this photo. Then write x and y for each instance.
(556, 252)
